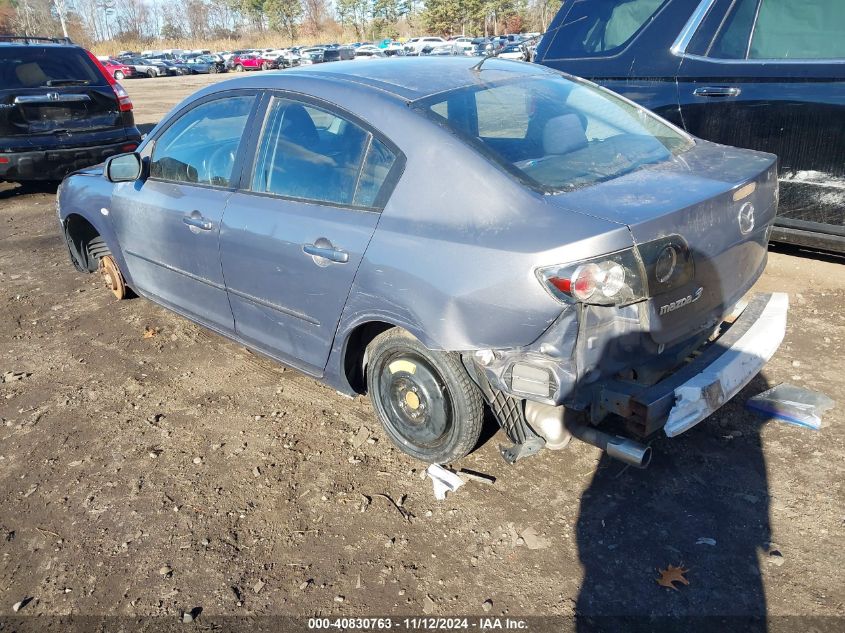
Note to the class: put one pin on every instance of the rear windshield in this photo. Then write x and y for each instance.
(37, 66)
(554, 133)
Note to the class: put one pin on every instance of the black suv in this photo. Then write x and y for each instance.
(762, 74)
(60, 110)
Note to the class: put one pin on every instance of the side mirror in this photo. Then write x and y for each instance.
(123, 168)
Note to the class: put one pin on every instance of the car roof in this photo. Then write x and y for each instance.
(413, 78)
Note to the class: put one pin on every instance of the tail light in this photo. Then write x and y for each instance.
(123, 101)
(614, 279)
(623, 277)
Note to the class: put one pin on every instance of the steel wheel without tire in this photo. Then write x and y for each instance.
(112, 277)
(426, 401)
(118, 75)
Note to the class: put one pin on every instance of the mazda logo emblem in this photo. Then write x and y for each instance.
(746, 218)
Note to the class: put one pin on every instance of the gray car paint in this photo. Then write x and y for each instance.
(452, 257)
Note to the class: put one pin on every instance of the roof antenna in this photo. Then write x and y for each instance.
(477, 67)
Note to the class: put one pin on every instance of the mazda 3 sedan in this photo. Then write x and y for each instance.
(450, 235)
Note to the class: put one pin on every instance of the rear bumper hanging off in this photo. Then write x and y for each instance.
(723, 377)
(691, 393)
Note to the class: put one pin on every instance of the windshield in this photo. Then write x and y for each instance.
(554, 133)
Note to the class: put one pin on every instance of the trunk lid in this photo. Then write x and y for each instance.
(698, 195)
(51, 94)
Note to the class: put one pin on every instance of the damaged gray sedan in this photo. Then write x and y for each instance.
(446, 234)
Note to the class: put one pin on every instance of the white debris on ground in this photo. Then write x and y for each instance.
(443, 480)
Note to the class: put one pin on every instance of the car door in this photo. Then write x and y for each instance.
(292, 240)
(770, 75)
(168, 223)
(621, 44)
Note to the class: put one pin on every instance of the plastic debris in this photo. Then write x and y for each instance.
(443, 480)
(794, 405)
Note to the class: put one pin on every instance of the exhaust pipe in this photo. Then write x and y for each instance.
(557, 425)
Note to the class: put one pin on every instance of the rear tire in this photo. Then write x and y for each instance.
(239, 68)
(265, 66)
(426, 401)
(151, 74)
(118, 75)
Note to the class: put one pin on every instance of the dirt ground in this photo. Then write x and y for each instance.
(149, 476)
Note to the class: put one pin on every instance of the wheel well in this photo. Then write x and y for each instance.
(85, 244)
(356, 347)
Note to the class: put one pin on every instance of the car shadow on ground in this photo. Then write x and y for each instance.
(10, 189)
(702, 504)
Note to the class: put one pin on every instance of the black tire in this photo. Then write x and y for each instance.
(239, 68)
(265, 66)
(425, 400)
(151, 73)
(213, 69)
(118, 75)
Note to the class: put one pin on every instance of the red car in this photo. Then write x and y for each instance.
(241, 63)
(117, 69)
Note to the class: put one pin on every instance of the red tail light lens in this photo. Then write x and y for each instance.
(614, 279)
(123, 100)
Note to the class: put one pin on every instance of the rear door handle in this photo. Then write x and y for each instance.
(716, 91)
(197, 221)
(332, 254)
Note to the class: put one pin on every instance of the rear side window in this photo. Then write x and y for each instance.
(599, 27)
(312, 154)
(200, 147)
(41, 66)
(781, 29)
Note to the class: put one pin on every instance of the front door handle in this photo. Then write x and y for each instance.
(326, 252)
(196, 220)
(716, 91)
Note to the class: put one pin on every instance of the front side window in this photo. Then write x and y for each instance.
(200, 147)
(599, 27)
(554, 133)
(781, 29)
(312, 154)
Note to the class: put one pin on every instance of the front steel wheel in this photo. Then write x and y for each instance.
(426, 401)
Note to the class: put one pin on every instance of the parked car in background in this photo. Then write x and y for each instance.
(203, 64)
(514, 51)
(415, 45)
(60, 110)
(369, 52)
(166, 68)
(441, 49)
(241, 63)
(117, 69)
(338, 53)
(600, 270)
(312, 55)
(143, 67)
(761, 74)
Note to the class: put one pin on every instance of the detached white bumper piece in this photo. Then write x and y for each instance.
(722, 379)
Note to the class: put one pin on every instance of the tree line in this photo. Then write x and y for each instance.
(94, 22)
